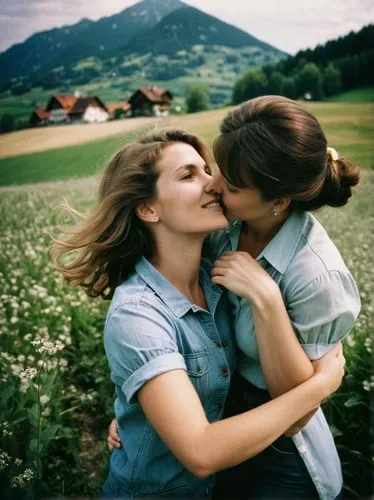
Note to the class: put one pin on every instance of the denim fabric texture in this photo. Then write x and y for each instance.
(151, 328)
(323, 303)
(278, 472)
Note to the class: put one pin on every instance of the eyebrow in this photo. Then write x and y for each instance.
(189, 165)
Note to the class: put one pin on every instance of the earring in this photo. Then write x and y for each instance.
(275, 212)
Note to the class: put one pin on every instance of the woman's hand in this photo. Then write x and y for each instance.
(242, 274)
(113, 438)
(330, 368)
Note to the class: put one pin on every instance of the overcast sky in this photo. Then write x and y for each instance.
(290, 25)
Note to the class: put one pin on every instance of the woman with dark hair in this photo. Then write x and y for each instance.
(276, 167)
(168, 329)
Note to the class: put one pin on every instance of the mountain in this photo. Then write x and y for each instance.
(188, 26)
(152, 42)
(83, 39)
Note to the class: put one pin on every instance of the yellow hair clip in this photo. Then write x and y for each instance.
(332, 154)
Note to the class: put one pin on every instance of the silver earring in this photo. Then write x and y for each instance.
(275, 212)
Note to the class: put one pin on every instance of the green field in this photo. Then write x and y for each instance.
(364, 94)
(349, 128)
(60, 164)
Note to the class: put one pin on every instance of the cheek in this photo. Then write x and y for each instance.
(233, 201)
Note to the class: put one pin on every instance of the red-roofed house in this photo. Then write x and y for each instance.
(59, 107)
(89, 109)
(151, 101)
(118, 109)
(39, 117)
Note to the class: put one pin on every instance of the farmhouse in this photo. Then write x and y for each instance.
(89, 109)
(118, 109)
(39, 117)
(59, 106)
(151, 101)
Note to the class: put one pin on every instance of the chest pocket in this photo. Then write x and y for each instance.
(198, 371)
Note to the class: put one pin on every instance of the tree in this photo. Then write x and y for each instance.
(197, 98)
(310, 81)
(254, 84)
(237, 92)
(332, 80)
(276, 83)
(7, 123)
(289, 88)
(118, 114)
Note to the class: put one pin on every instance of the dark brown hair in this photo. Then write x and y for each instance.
(106, 245)
(277, 146)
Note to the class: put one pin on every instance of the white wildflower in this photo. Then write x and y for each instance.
(4, 460)
(21, 479)
(44, 399)
(28, 374)
(366, 385)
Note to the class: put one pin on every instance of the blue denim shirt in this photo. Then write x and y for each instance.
(322, 301)
(151, 328)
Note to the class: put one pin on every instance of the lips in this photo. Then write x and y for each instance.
(212, 204)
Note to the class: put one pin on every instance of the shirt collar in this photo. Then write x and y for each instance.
(171, 297)
(281, 249)
(233, 225)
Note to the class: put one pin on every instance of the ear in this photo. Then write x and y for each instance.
(146, 213)
(282, 204)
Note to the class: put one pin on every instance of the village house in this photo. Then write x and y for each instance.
(59, 107)
(151, 101)
(73, 109)
(118, 109)
(39, 117)
(89, 109)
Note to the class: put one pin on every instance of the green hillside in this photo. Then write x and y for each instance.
(363, 94)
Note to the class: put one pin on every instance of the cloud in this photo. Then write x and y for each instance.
(289, 25)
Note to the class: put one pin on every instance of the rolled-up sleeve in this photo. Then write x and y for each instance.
(324, 311)
(140, 344)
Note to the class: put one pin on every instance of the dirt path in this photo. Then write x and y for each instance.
(59, 136)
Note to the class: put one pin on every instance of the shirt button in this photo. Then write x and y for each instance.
(223, 343)
(224, 372)
(302, 449)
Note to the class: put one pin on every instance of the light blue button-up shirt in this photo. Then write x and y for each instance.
(322, 301)
(151, 328)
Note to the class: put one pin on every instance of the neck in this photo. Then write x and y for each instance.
(257, 234)
(178, 259)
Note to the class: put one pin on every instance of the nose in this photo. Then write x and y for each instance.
(215, 185)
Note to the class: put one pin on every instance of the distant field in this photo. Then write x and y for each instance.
(349, 128)
(365, 94)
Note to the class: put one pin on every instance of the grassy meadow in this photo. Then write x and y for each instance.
(56, 398)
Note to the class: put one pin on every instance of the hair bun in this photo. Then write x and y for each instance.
(341, 176)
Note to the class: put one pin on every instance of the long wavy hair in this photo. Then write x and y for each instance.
(101, 252)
